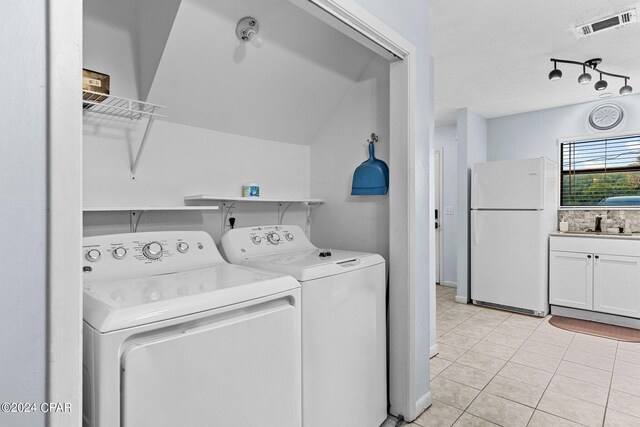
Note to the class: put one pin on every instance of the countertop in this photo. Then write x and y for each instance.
(591, 234)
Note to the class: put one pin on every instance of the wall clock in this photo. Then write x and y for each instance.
(605, 116)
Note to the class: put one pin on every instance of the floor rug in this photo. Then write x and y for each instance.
(604, 330)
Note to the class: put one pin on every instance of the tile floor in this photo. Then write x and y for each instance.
(499, 368)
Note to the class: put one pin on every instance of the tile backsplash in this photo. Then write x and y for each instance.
(585, 220)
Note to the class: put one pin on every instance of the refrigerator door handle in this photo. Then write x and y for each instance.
(474, 190)
(475, 227)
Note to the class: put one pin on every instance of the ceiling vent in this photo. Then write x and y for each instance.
(614, 21)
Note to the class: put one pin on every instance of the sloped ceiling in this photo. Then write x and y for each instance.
(493, 57)
(283, 91)
(147, 24)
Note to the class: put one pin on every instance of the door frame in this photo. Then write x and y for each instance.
(64, 205)
(408, 341)
(438, 160)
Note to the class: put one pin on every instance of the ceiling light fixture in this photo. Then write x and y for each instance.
(555, 74)
(247, 31)
(601, 84)
(585, 77)
(626, 89)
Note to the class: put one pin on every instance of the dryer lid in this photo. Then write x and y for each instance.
(309, 264)
(119, 304)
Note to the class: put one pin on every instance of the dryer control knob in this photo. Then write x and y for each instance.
(256, 240)
(152, 250)
(273, 238)
(93, 255)
(119, 252)
(289, 236)
(183, 247)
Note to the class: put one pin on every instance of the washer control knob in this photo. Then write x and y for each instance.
(93, 255)
(289, 236)
(152, 250)
(273, 238)
(119, 252)
(256, 240)
(183, 247)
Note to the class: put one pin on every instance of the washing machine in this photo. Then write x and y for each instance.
(343, 321)
(176, 336)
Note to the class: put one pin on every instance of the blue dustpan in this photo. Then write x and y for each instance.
(372, 176)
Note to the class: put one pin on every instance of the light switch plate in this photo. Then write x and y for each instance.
(449, 210)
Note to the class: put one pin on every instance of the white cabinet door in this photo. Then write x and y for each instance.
(571, 279)
(616, 285)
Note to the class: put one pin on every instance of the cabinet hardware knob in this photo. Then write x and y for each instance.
(589, 256)
(597, 257)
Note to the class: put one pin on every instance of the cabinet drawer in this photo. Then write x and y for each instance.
(602, 245)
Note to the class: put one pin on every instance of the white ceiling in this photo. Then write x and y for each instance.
(493, 56)
(283, 91)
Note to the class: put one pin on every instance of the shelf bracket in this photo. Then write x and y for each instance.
(143, 144)
(310, 207)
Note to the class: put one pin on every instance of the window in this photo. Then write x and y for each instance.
(601, 172)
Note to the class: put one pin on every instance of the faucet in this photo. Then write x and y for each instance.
(598, 224)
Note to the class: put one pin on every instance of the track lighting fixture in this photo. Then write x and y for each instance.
(585, 77)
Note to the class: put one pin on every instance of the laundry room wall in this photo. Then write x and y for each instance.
(183, 159)
(359, 223)
(446, 138)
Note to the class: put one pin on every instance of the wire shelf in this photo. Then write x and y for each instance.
(100, 103)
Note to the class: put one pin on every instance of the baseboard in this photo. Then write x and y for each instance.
(462, 300)
(594, 316)
(449, 284)
(434, 350)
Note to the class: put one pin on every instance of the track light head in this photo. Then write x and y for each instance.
(555, 74)
(600, 84)
(584, 77)
(626, 89)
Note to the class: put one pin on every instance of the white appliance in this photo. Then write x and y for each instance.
(344, 379)
(175, 336)
(514, 207)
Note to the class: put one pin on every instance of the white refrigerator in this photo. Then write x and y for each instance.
(514, 207)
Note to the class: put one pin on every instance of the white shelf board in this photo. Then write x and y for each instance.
(209, 198)
(148, 208)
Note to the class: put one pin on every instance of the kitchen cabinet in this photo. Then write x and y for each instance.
(597, 274)
(616, 285)
(571, 279)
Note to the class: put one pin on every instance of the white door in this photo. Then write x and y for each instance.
(242, 368)
(509, 259)
(616, 285)
(571, 279)
(510, 184)
(437, 171)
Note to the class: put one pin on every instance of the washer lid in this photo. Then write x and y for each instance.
(119, 304)
(309, 265)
